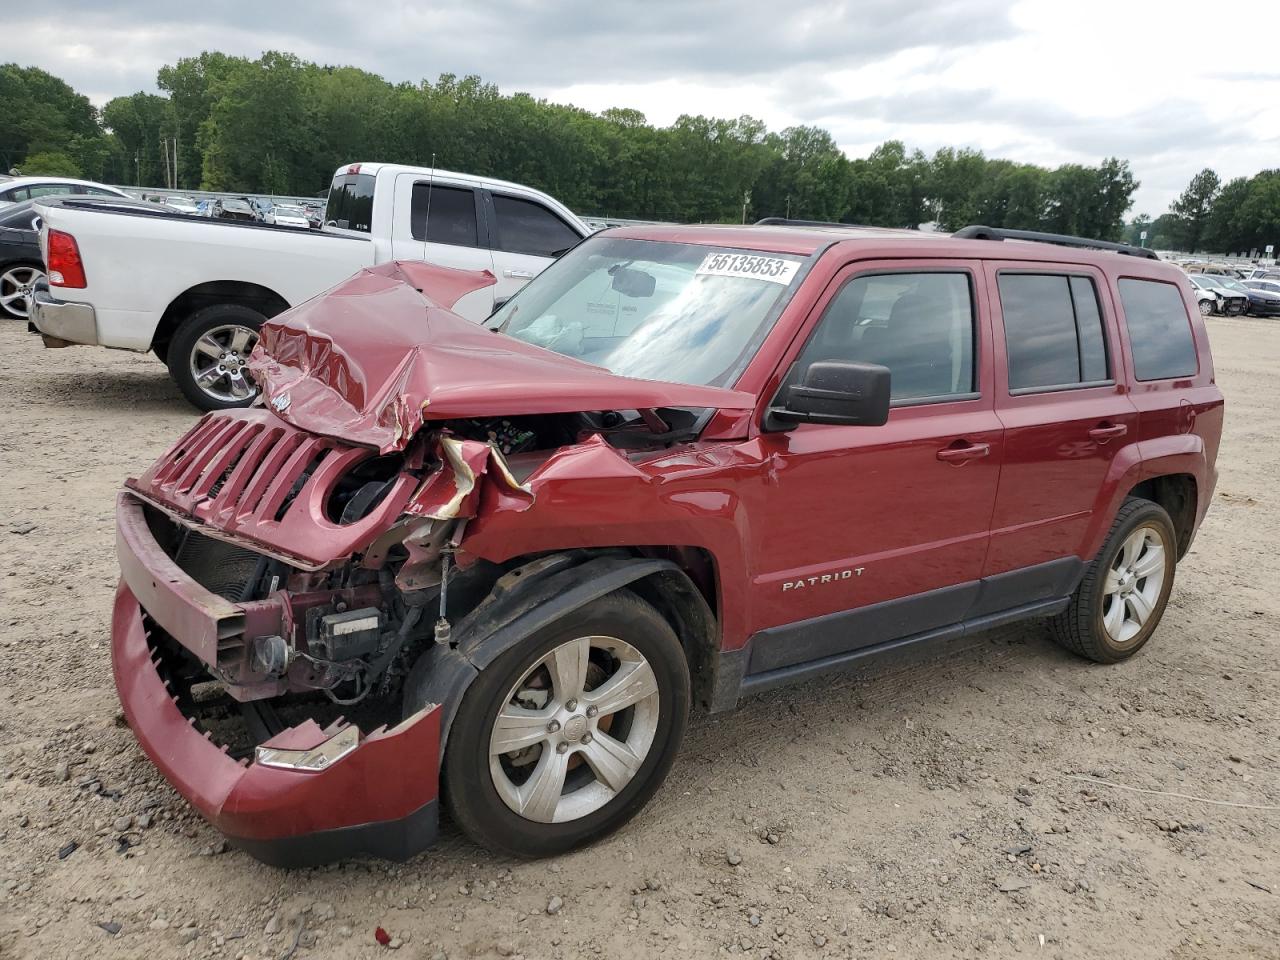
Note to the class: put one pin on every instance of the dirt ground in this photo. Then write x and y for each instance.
(948, 808)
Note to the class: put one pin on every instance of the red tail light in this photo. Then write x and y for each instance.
(65, 266)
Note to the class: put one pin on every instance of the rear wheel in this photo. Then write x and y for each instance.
(1122, 597)
(208, 353)
(565, 737)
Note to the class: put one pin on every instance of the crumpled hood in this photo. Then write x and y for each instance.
(372, 358)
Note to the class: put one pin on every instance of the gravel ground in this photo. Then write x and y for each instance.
(950, 808)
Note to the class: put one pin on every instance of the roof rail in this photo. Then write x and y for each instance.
(1061, 239)
(787, 222)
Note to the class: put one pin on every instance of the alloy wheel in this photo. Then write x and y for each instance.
(574, 730)
(218, 360)
(16, 285)
(1133, 584)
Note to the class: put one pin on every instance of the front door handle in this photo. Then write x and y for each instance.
(1108, 431)
(518, 274)
(961, 454)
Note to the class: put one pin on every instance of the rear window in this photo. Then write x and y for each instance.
(351, 202)
(1159, 330)
(1052, 330)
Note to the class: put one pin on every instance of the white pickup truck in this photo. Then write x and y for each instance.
(194, 291)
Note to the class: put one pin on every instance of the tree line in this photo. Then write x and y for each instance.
(279, 124)
(1240, 216)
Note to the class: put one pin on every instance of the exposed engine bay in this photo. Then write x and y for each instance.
(349, 633)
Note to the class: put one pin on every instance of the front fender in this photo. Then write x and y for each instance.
(523, 601)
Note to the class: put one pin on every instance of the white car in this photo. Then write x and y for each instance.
(29, 188)
(195, 291)
(286, 215)
(1228, 302)
(182, 205)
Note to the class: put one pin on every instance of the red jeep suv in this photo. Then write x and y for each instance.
(497, 564)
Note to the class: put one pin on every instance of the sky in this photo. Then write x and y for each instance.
(1171, 86)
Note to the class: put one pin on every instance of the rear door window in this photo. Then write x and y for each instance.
(527, 227)
(1053, 331)
(1159, 330)
(443, 215)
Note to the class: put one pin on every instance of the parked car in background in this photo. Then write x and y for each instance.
(235, 209)
(286, 215)
(21, 262)
(315, 215)
(182, 205)
(1231, 303)
(1261, 303)
(685, 465)
(196, 291)
(1270, 286)
(31, 188)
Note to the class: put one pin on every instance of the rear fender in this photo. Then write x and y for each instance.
(1163, 456)
(523, 601)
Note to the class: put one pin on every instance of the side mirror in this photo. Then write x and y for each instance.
(832, 391)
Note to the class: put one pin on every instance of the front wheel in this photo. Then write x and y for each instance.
(1122, 597)
(565, 737)
(1206, 308)
(17, 280)
(208, 353)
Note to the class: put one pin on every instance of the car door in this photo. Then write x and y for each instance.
(1061, 397)
(863, 534)
(525, 236)
(442, 222)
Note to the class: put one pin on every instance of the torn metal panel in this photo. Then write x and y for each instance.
(415, 360)
(456, 491)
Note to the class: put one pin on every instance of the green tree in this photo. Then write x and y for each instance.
(50, 163)
(1194, 206)
(140, 122)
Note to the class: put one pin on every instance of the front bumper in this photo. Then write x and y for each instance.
(378, 799)
(63, 322)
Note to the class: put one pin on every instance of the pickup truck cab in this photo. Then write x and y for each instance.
(195, 291)
(496, 566)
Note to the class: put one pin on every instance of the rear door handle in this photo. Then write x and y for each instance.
(970, 451)
(1108, 431)
(518, 274)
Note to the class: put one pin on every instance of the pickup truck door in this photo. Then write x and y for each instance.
(443, 223)
(866, 534)
(525, 236)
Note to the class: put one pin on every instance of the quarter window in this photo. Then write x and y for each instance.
(443, 215)
(919, 325)
(1159, 330)
(1053, 330)
(527, 227)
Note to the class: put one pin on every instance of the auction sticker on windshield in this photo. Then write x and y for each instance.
(750, 266)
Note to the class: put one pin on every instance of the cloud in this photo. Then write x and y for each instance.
(1035, 80)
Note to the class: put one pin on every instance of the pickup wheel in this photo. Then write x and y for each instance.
(1125, 589)
(207, 355)
(564, 737)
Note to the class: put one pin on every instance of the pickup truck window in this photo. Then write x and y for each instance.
(1052, 330)
(350, 203)
(1159, 330)
(527, 227)
(919, 325)
(452, 215)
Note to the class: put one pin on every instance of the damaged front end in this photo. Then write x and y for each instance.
(286, 567)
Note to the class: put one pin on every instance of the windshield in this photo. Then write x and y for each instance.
(681, 312)
(1230, 284)
(281, 210)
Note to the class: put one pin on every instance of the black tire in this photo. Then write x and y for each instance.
(1080, 627)
(468, 786)
(182, 344)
